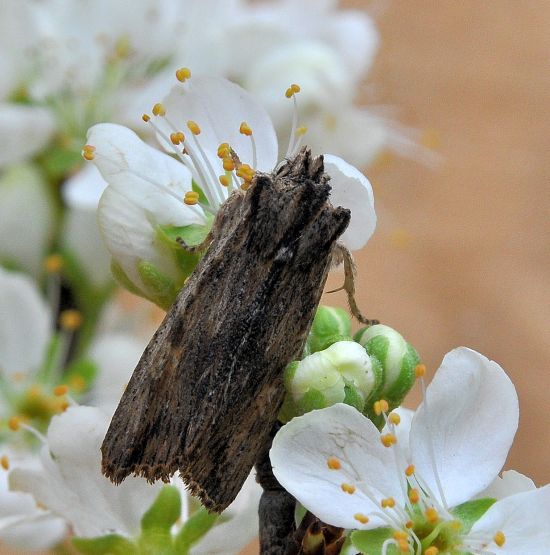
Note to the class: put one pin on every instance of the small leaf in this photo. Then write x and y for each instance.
(370, 542)
(105, 545)
(471, 511)
(196, 526)
(164, 512)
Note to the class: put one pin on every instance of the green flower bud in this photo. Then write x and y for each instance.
(397, 357)
(341, 373)
(331, 324)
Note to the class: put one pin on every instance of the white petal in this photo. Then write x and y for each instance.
(403, 429)
(470, 417)
(23, 315)
(116, 357)
(299, 458)
(352, 190)
(24, 130)
(70, 482)
(218, 107)
(512, 482)
(84, 189)
(39, 532)
(27, 218)
(523, 518)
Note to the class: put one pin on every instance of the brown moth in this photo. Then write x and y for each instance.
(205, 394)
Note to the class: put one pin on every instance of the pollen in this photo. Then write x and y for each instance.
(194, 127)
(244, 129)
(414, 496)
(380, 407)
(499, 538)
(409, 471)
(292, 90)
(191, 198)
(177, 138)
(420, 370)
(431, 550)
(182, 74)
(409, 524)
(245, 172)
(348, 488)
(5, 462)
(432, 515)
(224, 180)
(388, 440)
(53, 264)
(387, 503)
(228, 164)
(70, 319)
(334, 464)
(14, 423)
(146, 117)
(224, 151)
(60, 390)
(394, 418)
(403, 546)
(360, 517)
(88, 152)
(400, 535)
(159, 109)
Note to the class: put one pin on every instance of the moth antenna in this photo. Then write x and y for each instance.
(201, 247)
(343, 254)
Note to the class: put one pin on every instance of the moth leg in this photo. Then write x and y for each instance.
(201, 247)
(343, 254)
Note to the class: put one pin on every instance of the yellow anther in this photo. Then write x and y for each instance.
(289, 93)
(409, 524)
(193, 127)
(333, 463)
(191, 198)
(302, 130)
(360, 517)
(53, 263)
(88, 152)
(182, 74)
(409, 471)
(228, 164)
(159, 109)
(384, 405)
(420, 370)
(78, 383)
(14, 423)
(388, 440)
(432, 515)
(380, 407)
(224, 180)
(146, 117)
(177, 138)
(388, 502)
(5, 462)
(400, 535)
(70, 319)
(245, 186)
(499, 538)
(60, 390)
(245, 129)
(34, 392)
(414, 495)
(64, 406)
(403, 546)
(394, 418)
(348, 488)
(295, 88)
(431, 550)
(246, 172)
(224, 151)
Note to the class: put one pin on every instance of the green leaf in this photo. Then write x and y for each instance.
(196, 526)
(369, 542)
(105, 545)
(471, 511)
(164, 512)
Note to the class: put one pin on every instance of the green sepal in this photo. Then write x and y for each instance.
(290, 372)
(194, 528)
(312, 399)
(124, 281)
(158, 520)
(369, 542)
(407, 377)
(202, 197)
(160, 288)
(330, 324)
(112, 544)
(352, 397)
(471, 511)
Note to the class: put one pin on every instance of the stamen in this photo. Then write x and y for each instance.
(380, 407)
(431, 550)
(387, 503)
(182, 74)
(348, 488)
(244, 129)
(177, 138)
(159, 109)
(360, 517)
(420, 370)
(53, 263)
(224, 180)
(60, 390)
(394, 418)
(88, 152)
(334, 464)
(291, 93)
(228, 164)
(146, 118)
(14, 423)
(224, 151)
(388, 440)
(70, 319)
(5, 462)
(409, 471)
(414, 496)
(499, 538)
(193, 127)
(432, 515)
(191, 198)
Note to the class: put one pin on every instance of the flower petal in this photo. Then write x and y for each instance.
(512, 482)
(300, 454)
(219, 107)
(352, 190)
(23, 314)
(469, 417)
(523, 518)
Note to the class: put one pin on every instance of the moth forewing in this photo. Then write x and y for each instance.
(207, 390)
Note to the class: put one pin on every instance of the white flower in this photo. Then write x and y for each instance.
(149, 190)
(334, 462)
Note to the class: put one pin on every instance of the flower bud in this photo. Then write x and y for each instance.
(331, 324)
(397, 357)
(342, 373)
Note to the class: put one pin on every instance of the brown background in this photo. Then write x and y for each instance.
(460, 255)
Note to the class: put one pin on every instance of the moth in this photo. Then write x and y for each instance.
(206, 392)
